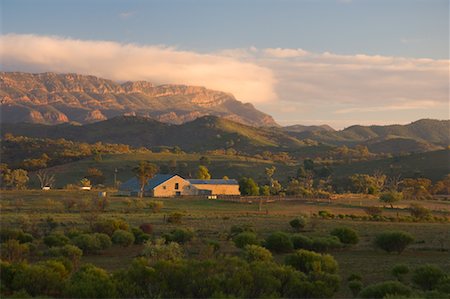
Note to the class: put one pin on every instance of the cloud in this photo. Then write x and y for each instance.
(122, 62)
(290, 84)
(126, 14)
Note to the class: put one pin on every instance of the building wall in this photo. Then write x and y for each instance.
(167, 189)
(219, 189)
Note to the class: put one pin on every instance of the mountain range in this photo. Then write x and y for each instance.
(51, 98)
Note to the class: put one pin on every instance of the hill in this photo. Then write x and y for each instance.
(204, 133)
(302, 128)
(51, 98)
(421, 135)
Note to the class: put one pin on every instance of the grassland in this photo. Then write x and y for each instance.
(211, 220)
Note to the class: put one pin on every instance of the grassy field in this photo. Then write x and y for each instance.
(211, 220)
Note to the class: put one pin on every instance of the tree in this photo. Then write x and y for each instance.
(264, 190)
(122, 237)
(308, 164)
(45, 178)
(5, 174)
(298, 223)
(310, 261)
(95, 175)
(158, 250)
(270, 171)
(91, 282)
(84, 182)
(254, 253)
(279, 242)
(245, 238)
(346, 235)
(419, 212)
(427, 277)
(203, 173)
(391, 197)
(247, 186)
(19, 178)
(386, 289)
(393, 241)
(144, 171)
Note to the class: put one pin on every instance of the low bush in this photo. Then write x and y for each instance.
(309, 261)
(398, 271)
(245, 238)
(146, 228)
(109, 226)
(419, 212)
(346, 235)
(254, 253)
(122, 237)
(92, 242)
(395, 241)
(298, 223)
(374, 211)
(384, 289)
(175, 218)
(301, 242)
(104, 240)
(279, 242)
(237, 229)
(322, 244)
(55, 239)
(355, 287)
(15, 234)
(73, 253)
(155, 205)
(139, 236)
(427, 277)
(179, 235)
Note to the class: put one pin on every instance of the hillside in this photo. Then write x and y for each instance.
(50, 98)
(204, 133)
(421, 135)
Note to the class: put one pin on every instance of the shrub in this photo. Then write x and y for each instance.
(87, 242)
(91, 282)
(159, 250)
(122, 237)
(355, 287)
(13, 251)
(109, 226)
(384, 289)
(104, 240)
(394, 241)
(139, 236)
(419, 212)
(279, 242)
(245, 238)
(71, 252)
(53, 240)
(237, 229)
(301, 242)
(391, 197)
(309, 261)
(16, 234)
(399, 270)
(155, 205)
(325, 214)
(321, 244)
(373, 211)
(146, 228)
(298, 223)
(346, 235)
(354, 276)
(254, 253)
(175, 218)
(427, 276)
(180, 236)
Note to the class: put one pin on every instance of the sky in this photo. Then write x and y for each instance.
(336, 62)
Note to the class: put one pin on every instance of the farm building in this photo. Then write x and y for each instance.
(169, 185)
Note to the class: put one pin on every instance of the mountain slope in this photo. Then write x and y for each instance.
(204, 133)
(422, 134)
(51, 98)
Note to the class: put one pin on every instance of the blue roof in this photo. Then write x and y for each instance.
(134, 185)
(213, 182)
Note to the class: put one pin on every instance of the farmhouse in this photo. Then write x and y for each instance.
(169, 185)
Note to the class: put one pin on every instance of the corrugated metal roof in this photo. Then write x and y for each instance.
(133, 183)
(213, 182)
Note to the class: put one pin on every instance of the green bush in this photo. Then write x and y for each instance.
(419, 212)
(398, 271)
(91, 282)
(245, 238)
(237, 229)
(139, 236)
(355, 287)
(301, 242)
(175, 218)
(346, 235)
(179, 235)
(55, 239)
(104, 240)
(155, 205)
(395, 241)
(70, 252)
(122, 237)
(384, 289)
(309, 261)
(322, 244)
(16, 234)
(109, 226)
(279, 242)
(427, 277)
(298, 223)
(254, 253)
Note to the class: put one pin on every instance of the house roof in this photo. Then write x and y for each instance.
(134, 185)
(213, 182)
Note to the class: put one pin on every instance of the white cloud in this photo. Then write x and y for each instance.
(122, 62)
(319, 85)
(126, 14)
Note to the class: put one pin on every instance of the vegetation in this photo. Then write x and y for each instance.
(395, 241)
